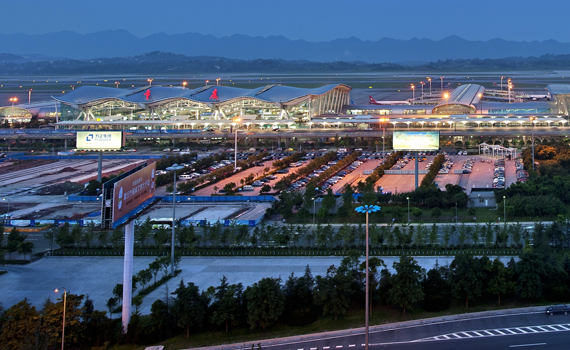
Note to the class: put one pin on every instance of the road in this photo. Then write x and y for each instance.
(494, 330)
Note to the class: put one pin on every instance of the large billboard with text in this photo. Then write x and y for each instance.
(100, 140)
(416, 140)
(132, 191)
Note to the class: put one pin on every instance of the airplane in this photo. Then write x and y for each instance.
(381, 103)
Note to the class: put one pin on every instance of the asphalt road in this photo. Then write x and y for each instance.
(526, 329)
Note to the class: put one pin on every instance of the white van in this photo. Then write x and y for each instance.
(248, 188)
(185, 177)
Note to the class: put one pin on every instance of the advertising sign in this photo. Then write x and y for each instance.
(100, 140)
(416, 140)
(133, 191)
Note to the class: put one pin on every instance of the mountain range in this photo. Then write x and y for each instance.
(121, 43)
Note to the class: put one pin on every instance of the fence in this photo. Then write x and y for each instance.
(83, 198)
(405, 172)
(193, 199)
(22, 156)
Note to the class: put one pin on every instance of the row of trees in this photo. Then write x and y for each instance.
(433, 170)
(306, 170)
(15, 242)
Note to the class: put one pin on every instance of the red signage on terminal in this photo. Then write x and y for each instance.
(147, 94)
(214, 95)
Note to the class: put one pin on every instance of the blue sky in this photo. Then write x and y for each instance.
(312, 20)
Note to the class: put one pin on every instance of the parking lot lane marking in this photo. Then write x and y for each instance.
(520, 330)
(301, 349)
(313, 348)
(524, 345)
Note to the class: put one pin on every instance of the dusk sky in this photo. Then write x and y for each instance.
(312, 20)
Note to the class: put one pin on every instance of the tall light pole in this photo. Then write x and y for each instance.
(7, 201)
(117, 84)
(441, 84)
(455, 213)
(314, 201)
(422, 83)
(207, 81)
(173, 168)
(13, 100)
(184, 85)
(149, 81)
(367, 209)
(63, 329)
(502, 83)
(408, 198)
(236, 121)
(30, 96)
(413, 93)
(532, 120)
(218, 81)
(505, 209)
(382, 122)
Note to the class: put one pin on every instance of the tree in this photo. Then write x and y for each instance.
(63, 238)
(144, 276)
(154, 268)
(498, 279)
(76, 234)
(299, 306)
(49, 235)
(52, 316)
(433, 235)
(112, 304)
(103, 238)
(265, 302)
(25, 248)
(436, 212)
(143, 231)
(332, 292)
(406, 283)
(436, 289)
(230, 188)
(20, 326)
(116, 237)
(265, 189)
(417, 212)
(529, 271)
(466, 277)
(189, 307)
(161, 237)
(227, 304)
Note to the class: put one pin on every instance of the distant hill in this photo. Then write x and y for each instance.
(168, 63)
(120, 43)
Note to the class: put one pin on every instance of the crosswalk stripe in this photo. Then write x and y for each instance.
(467, 334)
(520, 330)
(352, 345)
(339, 346)
(479, 334)
(446, 337)
(542, 329)
(552, 327)
(489, 333)
(498, 331)
(508, 330)
(564, 327)
(455, 335)
(531, 329)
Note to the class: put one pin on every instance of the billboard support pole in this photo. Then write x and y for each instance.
(128, 273)
(417, 170)
(100, 167)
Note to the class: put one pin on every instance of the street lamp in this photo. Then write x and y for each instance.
(207, 81)
(149, 81)
(174, 167)
(314, 201)
(184, 85)
(408, 198)
(413, 93)
(429, 79)
(455, 213)
(441, 84)
(117, 84)
(382, 122)
(30, 96)
(502, 83)
(367, 209)
(505, 209)
(532, 120)
(218, 81)
(236, 120)
(7, 201)
(64, 302)
(421, 82)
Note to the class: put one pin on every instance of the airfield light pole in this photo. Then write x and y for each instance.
(502, 83)
(117, 84)
(173, 168)
(149, 81)
(63, 328)
(422, 83)
(532, 120)
(184, 85)
(441, 84)
(367, 209)
(13, 100)
(429, 79)
(383, 124)
(413, 93)
(218, 81)
(30, 96)
(236, 121)
(207, 81)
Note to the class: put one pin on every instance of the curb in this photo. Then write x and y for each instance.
(378, 328)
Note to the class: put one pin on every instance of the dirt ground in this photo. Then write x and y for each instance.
(26, 164)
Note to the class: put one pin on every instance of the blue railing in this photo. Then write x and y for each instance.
(192, 199)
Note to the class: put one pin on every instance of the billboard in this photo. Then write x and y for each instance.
(99, 140)
(132, 191)
(416, 140)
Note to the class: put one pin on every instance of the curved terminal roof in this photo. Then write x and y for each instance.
(89, 95)
(465, 95)
(558, 89)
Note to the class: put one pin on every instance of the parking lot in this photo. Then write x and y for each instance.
(357, 175)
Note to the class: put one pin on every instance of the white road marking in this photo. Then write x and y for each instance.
(352, 345)
(467, 334)
(542, 329)
(313, 348)
(551, 327)
(326, 347)
(489, 333)
(531, 329)
(520, 330)
(508, 330)
(479, 334)
(521, 345)
(339, 346)
(563, 327)
(498, 331)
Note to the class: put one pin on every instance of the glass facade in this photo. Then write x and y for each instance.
(454, 109)
(521, 111)
(415, 111)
